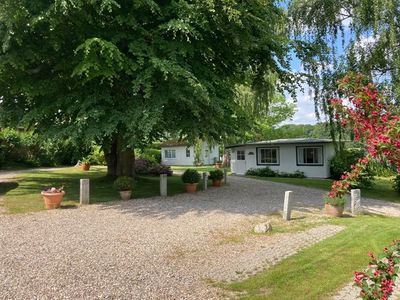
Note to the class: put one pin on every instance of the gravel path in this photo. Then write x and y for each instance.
(149, 248)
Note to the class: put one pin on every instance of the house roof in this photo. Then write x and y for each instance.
(175, 143)
(285, 141)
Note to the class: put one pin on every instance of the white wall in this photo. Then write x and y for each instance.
(287, 160)
(207, 155)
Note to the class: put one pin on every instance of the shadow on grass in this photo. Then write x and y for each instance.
(5, 187)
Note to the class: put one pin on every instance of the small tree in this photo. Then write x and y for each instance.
(372, 120)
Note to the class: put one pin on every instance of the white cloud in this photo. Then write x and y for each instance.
(305, 112)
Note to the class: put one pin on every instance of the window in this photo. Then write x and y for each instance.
(187, 152)
(268, 156)
(240, 155)
(309, 156)
(170, 153)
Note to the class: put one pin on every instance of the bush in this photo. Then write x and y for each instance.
(296, 174)
(216, 175)
(262, 172)
(143, 166)
(396, 183)
(159, 169)
(342, 162)
(96, 156)
(123, 183)
(191, 176)
(337, 201)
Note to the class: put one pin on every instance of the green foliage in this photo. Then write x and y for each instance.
(216, 174)
(396, 183)
(150, 154)
(267, 172)
(262, 172)
(191, 176)
(29, 149)
(123, 183)
(337, 201)
(96, 156)
(128, 71)
(342, 162)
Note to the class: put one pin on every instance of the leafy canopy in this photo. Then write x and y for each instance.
(96, 69)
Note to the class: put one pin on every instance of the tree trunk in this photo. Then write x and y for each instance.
(120, 161)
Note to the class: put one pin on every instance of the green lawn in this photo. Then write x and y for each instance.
(23, 195)
(319, 271)
(382, 188)
(207, 168)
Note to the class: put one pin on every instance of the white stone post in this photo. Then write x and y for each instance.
(84, 191)
(225, 176)
(163, 185)
(356, 202)
(205, 180)
(287, 208)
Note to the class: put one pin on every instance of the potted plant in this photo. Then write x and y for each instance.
(85, 164)
(218, 164)
(124, 185)
(334, 206)
(52, 197)
(191, 177)
(216, 177)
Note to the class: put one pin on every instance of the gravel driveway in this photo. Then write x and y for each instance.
(150, 248)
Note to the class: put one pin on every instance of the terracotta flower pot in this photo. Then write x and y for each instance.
(85, 167)
(216, 183)
(191, 187)
(334, 211)
(52, 200)
(218, 165)
(125, 195)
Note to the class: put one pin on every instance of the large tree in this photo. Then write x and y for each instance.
(122, 72)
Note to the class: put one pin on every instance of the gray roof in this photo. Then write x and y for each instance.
(285, 141)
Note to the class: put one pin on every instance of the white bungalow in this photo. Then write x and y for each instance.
(309, 155)
(183, 154)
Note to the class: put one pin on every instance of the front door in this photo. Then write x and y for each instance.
(239, 166)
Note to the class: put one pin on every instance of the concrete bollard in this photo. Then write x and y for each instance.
(356, 202)
(225, 176)
(287, 208)
(205, 180)
(84, 193)
(163, 185)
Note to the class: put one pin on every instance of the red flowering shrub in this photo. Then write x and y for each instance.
(372, 121)
(377, 282)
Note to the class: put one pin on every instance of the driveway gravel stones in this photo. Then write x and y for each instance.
(157, 248)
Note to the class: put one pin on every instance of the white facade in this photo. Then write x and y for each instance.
(311, 156)
(182, 155)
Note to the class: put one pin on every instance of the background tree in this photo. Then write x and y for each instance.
(121, 72)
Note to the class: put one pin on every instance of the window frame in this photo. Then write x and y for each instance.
(310, 164)
(170, 151)
(187, 152)
(244, 155)
(258, 156)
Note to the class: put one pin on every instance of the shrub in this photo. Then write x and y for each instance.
(191, 176)
(123, 183)
(262, 172)
(216, 175)
(342, 162)
(143, 166)
(159, 169)
(335, 201)
(396, 183)
(296, 174)
(378, 281)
